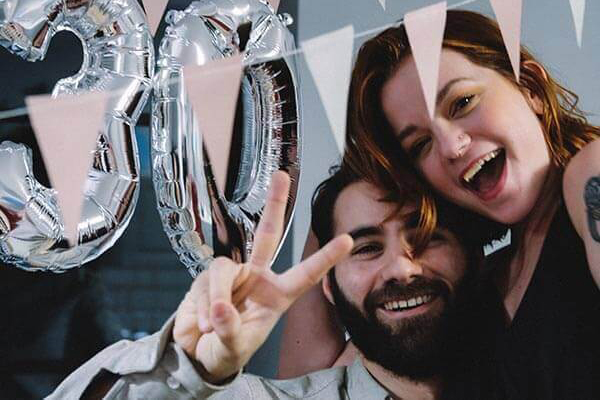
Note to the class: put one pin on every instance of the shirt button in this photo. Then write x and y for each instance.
(172, 382)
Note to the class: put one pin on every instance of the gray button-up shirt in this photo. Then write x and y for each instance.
(156, 368)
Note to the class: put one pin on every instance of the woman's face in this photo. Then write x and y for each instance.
(484, 148)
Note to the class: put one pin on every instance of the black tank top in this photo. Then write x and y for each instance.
(551, 350)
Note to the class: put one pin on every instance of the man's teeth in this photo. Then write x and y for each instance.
(404, 304)
(475, 168)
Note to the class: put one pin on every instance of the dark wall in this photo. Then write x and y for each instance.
(52, 323)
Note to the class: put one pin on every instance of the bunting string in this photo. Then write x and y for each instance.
(22, 111)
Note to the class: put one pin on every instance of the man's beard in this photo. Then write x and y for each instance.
(417, 348)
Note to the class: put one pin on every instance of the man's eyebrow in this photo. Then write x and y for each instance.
(364, 231)
(410, 129)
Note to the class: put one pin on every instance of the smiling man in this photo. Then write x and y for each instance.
(403, 298)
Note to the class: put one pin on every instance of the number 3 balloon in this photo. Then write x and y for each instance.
(118, 57)
(198, 220)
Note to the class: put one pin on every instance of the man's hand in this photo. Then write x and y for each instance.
(231, 308)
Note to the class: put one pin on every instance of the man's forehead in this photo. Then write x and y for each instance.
(359, 205)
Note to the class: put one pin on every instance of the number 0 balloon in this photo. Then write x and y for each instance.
(198, 220)
(118, 57)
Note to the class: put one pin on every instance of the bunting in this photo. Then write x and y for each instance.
(66, 129)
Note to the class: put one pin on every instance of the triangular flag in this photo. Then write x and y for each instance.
(66, 129)
(329, 59)
(508, 14)
(274, 4)
(382, 2)
(578, 9)
(213, 92)
(154, 11)
(425, 30)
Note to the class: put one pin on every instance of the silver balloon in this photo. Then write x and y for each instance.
(118, 56)
(199, 221)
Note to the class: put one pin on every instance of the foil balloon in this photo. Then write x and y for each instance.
(118, 56)
(199, 221)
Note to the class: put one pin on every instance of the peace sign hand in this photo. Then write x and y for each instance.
(231, 308)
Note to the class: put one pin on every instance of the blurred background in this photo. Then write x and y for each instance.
(51, 323)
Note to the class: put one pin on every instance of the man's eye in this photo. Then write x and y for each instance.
(461, 105)
(437, 237)
(367, 250)
(419, 146)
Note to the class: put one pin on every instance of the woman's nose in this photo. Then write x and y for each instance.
(451, 140)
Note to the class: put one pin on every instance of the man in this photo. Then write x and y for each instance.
(398, 302)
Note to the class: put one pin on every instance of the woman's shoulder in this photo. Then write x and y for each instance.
(581, 191)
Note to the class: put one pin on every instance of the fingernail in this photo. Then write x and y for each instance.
(220, 311)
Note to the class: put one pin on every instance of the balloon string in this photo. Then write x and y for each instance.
(22, 111)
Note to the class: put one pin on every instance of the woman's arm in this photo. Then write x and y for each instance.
(312, 337)
(581, 188)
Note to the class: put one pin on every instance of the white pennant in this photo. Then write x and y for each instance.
(329, 59)
(154, 11)
(382, 2)
(425, 31)
(66, 129)
(508, 14)
(213, 92)
(578, 9)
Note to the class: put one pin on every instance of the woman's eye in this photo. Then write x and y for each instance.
(461, 104)
(419, 146)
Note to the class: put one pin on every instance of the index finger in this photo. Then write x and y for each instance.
(298, 279)
(270, 226)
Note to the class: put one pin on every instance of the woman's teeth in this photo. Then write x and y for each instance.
(409, 303)
(476, 167)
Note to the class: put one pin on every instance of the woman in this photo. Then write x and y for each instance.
(519, 154)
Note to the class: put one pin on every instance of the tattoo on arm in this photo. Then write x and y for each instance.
(592, 202)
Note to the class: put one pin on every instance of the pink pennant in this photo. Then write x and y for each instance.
(578, 10)
(154, 11)
(213, 92)
(274, 4)
(66, 129)
(425, 30)
(508, 14)
(322, 53)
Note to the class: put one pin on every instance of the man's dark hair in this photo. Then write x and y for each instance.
(449, 216)
(324, 199)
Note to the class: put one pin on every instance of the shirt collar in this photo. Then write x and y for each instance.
(362, 385)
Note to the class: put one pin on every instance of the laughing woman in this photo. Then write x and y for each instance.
(519, 154)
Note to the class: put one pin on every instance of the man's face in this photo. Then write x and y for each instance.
(397, 305)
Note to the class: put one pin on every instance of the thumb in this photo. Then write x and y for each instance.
(296, 280)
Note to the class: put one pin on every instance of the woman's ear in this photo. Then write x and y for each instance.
(327, 288)
(533, 98)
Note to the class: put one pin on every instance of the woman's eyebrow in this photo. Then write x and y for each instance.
(406, 132)
(444, 91)
(410, 129)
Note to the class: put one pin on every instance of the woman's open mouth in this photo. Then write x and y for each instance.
(486, 176)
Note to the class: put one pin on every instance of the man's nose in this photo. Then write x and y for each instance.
(451, 140)
(401, 267)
